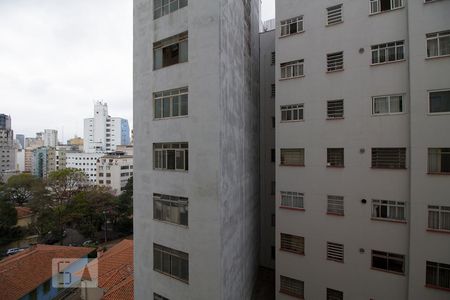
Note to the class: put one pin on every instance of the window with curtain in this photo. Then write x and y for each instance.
(439, 160)
(438, 43)
(383, 105)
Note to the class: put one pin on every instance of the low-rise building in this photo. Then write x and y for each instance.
(85, 162)
(114, 170)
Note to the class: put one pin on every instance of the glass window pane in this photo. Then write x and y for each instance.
(184, 105)
(166, 107)
(157, 58)
(396, 104)
(158, 108)
(440, 101)
(179, 155)
(175, 106)
(432, 47)
(444, 45)
(171, 159)
(183, 51)
(165, 263)
(183, 3)
(380, 105)
(173, 5)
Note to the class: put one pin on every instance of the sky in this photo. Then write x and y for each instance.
(57, 57)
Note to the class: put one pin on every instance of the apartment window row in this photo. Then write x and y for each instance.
(172, 209)
(292, 69)
(171, 156)
(293, 112)
(438, 43)
(170, 51)
(171, 103)
(165, 7)
(377, 6)
(171, 262)
(292, 200)
(292, 26)
(388, 52)
(388, 210)
(437, 275)
(439, 217)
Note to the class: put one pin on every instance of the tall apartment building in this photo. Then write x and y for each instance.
(362, 119)
(50, 137)
(114, 170)
(7, 145)
(196, 193)
(103, 133)
(21, 139)
(86, 162)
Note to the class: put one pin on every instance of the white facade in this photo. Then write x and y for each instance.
(114, 170)
(20, 160)
(103, 133)
(86, 162)
(50, 137)
(351, 218)
(201, 158)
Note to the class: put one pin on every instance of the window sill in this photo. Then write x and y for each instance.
(439, 113)
(283, 165)
(337, 23)
(184, 62)
(292, 121)
(388, 62)
(174, 224)
(335, 167)
(335, 71)
(337, 118)
(293, 252)
(335, 214)
(438, 231)
(385, 11)
(170, 118)
(439, 173)
(171, 276)
(291, 208)
(387, 271)
(437, 57)
(175, 171)
(437, 287)
(392, 169)
(291, 34)
(292, 295)
(289, 78)
(335, 260)
(388, 114)
(389, 220)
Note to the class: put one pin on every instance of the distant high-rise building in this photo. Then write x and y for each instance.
(45, 160)
(50, 137)
(114, 170)
(21, 139)
(103, 133)
(7, 145)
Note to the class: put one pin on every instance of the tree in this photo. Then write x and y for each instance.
(22, 188)
(124, 222)
(8, 220)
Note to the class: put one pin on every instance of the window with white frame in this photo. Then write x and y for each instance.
(438, 275)
(292, 69)
(170, 51)
(389, 262)
(171, 103)
(172, 209)
(388, 210)
(335, 252)
(335, 61)
(377, 6)
(388, 52)
(293, 112)
(171, 156)
(438, 43)
(335, 205)
(292, 287)
(171, 262)
(335, 157)
(292, 26)
(292, 200)
(334, 14)
(384, 105)
(292, 243)
(292, 157)
(439, 160)
(164, 7)
(334, 294)
(439, 217)
(389, 158)
(335, 109)
(439, 101)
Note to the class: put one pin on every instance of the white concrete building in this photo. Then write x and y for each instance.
(86, 162)
(196, 183)
(7, 145)
(362, 108)
(103, 133)
(50, 138)
(114, 170)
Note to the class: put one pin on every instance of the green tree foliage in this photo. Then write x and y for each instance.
(22, 188)
(124, 221)
(8, 220)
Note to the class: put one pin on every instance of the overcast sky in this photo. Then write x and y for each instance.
(58, 56)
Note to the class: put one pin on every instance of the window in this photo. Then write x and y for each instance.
(334, 295)
(389, 210)
(377, 6)
(164, 7)
(292, 200)
(389, 158)
(292, 26)
(273, 122)
(170, 209)
(335, 252)
(335, 157)
(159, 297)
(292, 287)
(171, 262)
(292, 69)
(439, 101)
(272, 91)
(334, 14)
(172, 103)
(389, 262)
(170, 51)
(273, 58)
(292, 157)
(292, 243)
(439, 160)
(388, 52)
(438, 43)
(438, 275)
(335, 109)
(335, 205)
(438, 217)
(272, 187)
(272, 155)
(171, 156)
(382, 105)
(335, 61)
(293, 112)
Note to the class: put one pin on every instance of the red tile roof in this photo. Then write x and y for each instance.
(23, 272)
(23, 212)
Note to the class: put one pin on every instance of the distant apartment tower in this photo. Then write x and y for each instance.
(103, 133)
(86, 162)
(114, 170)
(21, 139)
(7, 145)
(50, 137)
(363, 149)
(196, 183)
